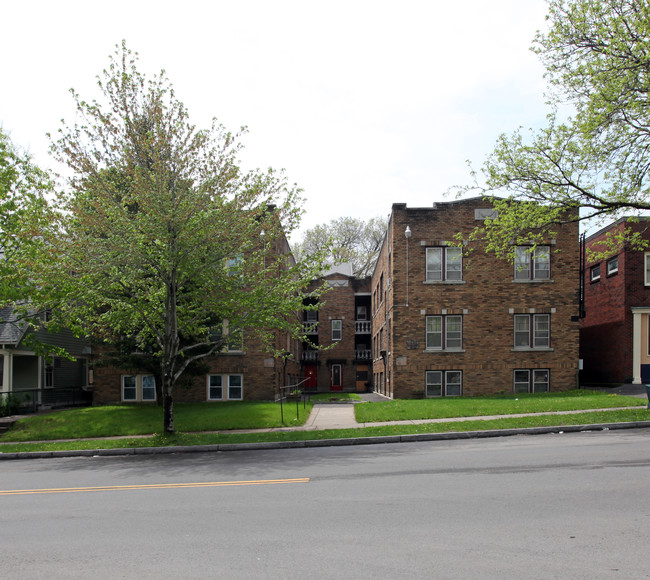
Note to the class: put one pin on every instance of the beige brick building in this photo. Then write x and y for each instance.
(449, 321)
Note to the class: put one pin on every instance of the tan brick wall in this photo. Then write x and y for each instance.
(487, 299)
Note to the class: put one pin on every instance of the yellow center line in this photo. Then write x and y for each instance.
(152, 486)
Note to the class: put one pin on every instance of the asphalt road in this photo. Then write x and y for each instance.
(552, 506)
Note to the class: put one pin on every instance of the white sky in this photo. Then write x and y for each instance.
(364, 103)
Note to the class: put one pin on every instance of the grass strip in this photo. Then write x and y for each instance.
(124, 420)
(325, 397)
(597, 417)
(410, 409)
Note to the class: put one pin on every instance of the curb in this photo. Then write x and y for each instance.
(415, 437)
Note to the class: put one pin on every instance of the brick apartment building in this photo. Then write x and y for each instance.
(447, 321)
(337, 354)
(614, 333)
(242, 370)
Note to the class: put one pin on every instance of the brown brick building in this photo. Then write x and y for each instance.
(337, 355)
(242, 370)
(614, 334)
(447, 321)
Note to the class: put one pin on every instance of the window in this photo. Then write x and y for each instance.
(362, 313)
(444, 332)
(49, 374)
(532, 263)
(148, 388)
(337, 329)
(531, 380)
(532, 330)
(612, 266)
(594, 273)
(647, 269)
(232, 336)
(215, 388)
(234, 387)
(444, 264)
(447, 382)
(138, 388)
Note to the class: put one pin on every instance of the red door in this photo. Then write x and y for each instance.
(311, 376)
(336, 383)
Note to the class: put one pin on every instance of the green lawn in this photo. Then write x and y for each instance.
(407, 409)
(324, 397)
(147, 419)
(624, 415)
(126, 420)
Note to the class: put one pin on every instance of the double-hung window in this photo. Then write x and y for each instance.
(444, 264)
(447, 383)
(532, 331)
(532, 263)
(138, 388)
(225, 387)
(337, 329)
(444, 332)
(531, 380)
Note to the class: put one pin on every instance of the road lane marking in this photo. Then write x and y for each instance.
(152, 486)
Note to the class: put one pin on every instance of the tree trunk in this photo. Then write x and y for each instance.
(168, 409)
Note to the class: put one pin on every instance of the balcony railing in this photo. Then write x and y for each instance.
(310, 355)
(310, 327)
(362, 327)
(362, 354)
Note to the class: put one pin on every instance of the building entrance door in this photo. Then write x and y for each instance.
(336, 383)
(311, 375)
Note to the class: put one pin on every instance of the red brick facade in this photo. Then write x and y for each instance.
(475, 315)
(342, 334)
(614, 285)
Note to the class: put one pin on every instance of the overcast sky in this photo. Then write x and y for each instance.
(364, 103)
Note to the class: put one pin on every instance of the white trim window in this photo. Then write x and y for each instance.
(233, 337)
(646, 269)
(532, 331)
(225, 387)
(444, 264)
(612, 266)
(448, 382)
(594, 273)
(532, 380)
(532, 263)
(138, 388)
(337, 329)
(444, 332)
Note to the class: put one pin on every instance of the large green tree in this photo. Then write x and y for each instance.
(345, 240)
(24, 189)
(162, 237)
(591, 161)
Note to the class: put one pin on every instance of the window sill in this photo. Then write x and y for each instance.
(529, 349)
(542, 281)
(437, 350)
(450, 282)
